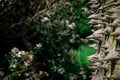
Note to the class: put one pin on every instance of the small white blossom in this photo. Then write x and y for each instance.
(61, 70)
(39, 45)
(23, 52)
(67, 22)
(59, 54)
(31, 57)
(74, 77)
(27, 74)
(71, 26)
(86, 10)
(72, 40)
(15, 61)
(71, 78)
(84, 76)
(15, 50)
(26, 64)
(20, 53)
(45, 19)
(43, 73)
(82, 72)
(12, 66)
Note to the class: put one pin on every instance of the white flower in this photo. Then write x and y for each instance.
(72, 40)
(15, 50)
(39, 45)
(45, 19)
(12, 66)
(82, 72)
(86, 10)
(23, 52)
(15, 61)
(74, 77)
(20, 53)
(71, 78)
(59, 54)
(26, 64)
(43, 73)
(31, 57)
(84, 76)
(67, 22)
(27, 74)
(71, 26)
(61, 70)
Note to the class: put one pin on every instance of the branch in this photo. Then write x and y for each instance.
(30, 19)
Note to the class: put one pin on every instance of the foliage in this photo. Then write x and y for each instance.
(57, 26)
(82, 54)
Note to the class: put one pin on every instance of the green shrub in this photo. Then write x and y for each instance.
(58, 27)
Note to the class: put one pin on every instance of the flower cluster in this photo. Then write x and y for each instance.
(20, 59)
(70, 25)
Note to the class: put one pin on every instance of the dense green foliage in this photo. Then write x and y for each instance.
(57, 26)
(82, 54)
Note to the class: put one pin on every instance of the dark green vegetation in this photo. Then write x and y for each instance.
(57, 25)
(82, 53)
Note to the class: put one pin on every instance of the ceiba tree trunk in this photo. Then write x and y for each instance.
(108, 52)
